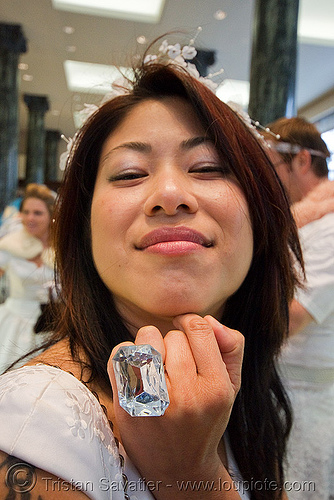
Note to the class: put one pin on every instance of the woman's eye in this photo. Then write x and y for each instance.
(218, 170)
(126, 176)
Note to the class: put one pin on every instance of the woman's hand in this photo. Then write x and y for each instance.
(202, 361)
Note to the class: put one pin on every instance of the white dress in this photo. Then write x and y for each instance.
(307, 366)
(28, 288)
(54, 422)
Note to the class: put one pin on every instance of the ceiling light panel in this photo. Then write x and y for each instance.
(92, 78)
(148, 11)
(316, 21)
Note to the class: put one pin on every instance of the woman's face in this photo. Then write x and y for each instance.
(170, 226)
(35, 217)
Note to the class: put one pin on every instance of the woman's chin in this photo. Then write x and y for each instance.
(170, 311)
(161, 312)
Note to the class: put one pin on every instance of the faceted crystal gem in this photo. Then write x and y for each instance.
(140, 379)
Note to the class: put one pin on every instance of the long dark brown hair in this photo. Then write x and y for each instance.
(261, 417)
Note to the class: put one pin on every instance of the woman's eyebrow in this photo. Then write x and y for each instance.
(135, 145)
(195, 141)
(142, 147)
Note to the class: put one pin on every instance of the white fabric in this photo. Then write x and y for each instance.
(51, 420)
(28, 288)
(307, 366)
(21, 244)
(316, 342)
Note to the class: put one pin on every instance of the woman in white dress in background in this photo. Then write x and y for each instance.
(27, 259)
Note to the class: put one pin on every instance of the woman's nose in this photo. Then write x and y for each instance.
(170, 194)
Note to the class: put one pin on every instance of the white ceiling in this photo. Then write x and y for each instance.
(108, 41)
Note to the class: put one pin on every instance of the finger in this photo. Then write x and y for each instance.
(152, 336)
(203, 343)
(231, 345)
(179, 358)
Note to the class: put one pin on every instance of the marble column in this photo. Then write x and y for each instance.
(38, 105)
(12, 44)
(52, 138)
(274, 60)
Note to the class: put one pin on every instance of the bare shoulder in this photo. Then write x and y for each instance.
(17, 476)
(60, 355)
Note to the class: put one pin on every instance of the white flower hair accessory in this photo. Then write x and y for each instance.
(175, 54)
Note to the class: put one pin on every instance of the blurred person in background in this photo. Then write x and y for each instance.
(307, 361)
(26, 257)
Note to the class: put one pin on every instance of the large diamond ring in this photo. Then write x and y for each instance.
(140, 378)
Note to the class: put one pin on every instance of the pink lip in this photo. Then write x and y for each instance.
(173, 239)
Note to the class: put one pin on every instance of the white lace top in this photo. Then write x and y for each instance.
(52, 420)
